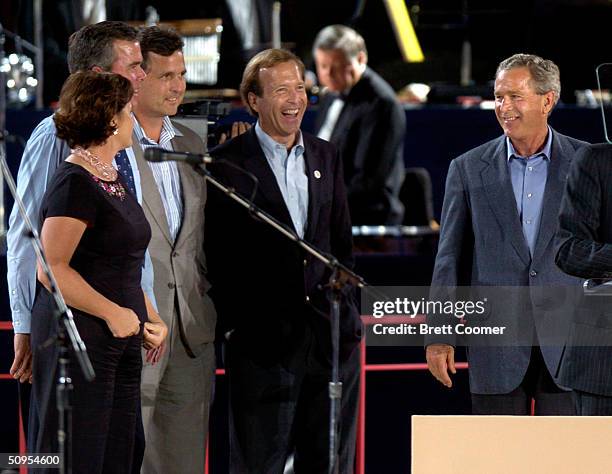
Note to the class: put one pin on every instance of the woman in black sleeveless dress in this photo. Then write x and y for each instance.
(95, 235)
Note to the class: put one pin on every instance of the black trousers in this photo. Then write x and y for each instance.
(537, 385)
(104, 411)
(276, 411)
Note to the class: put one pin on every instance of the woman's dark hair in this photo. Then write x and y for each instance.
(88, 102)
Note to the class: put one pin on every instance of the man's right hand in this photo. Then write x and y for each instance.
(22, 363)
(440, 361)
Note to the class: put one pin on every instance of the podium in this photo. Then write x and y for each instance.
(511, 444)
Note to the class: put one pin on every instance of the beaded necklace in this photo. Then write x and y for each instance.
(108, 182)
(107, 171)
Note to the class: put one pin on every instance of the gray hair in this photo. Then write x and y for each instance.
(340, 37)
(92, 45)
(544, 73)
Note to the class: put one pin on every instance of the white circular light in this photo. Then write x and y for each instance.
(18, 72)
(23, 94)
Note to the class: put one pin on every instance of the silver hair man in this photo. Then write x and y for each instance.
(544, 73)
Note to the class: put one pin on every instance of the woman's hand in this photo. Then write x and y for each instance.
(155, 333)
(123, 322)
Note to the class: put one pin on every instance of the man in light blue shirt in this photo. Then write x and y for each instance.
(499, 220)
(289, 170)
(106, 46)
(271, 297)
(529, 175)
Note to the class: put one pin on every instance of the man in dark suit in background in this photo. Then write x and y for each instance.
(267, 291)
(363, 118)
(498, 222)
(585, 250)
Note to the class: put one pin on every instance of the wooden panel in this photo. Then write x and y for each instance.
(510, 444)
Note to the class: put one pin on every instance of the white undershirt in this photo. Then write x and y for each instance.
(245, 19)
(330, 119)
(94, 11)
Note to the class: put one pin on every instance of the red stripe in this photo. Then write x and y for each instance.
(22, 443)
(369, 320)
(206, 457)
(405, 367)
(6, 326)
(361, 419)
(6, 377)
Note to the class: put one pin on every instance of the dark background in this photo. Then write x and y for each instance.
(570, 32)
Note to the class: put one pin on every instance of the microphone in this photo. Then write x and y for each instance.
(156, 155)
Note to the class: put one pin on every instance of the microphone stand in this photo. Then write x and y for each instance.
(67, 337)
(341, 276)
(2, 143)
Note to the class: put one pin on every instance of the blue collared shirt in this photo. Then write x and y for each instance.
(166, 174)
(528, 176)
(43, 154)
(289, 169)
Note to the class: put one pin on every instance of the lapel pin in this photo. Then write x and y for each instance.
(317, 174)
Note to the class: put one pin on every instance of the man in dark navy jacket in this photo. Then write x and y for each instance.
(271, 307)
(499, 220)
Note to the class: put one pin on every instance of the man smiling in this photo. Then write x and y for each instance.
(498, 222)
(268, 292)
(176, 392)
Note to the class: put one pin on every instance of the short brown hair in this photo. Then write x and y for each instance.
(87, 105)
(92, 45)
(162, 41)
(265, 59)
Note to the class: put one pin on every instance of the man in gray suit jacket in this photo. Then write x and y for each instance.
(176, 392)
(498, 222)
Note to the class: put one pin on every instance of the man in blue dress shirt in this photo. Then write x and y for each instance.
(269, 294)
(498, 224)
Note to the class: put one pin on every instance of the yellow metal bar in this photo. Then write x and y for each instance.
(404, 31)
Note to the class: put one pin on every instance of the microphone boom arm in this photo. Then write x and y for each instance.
(344, 274)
